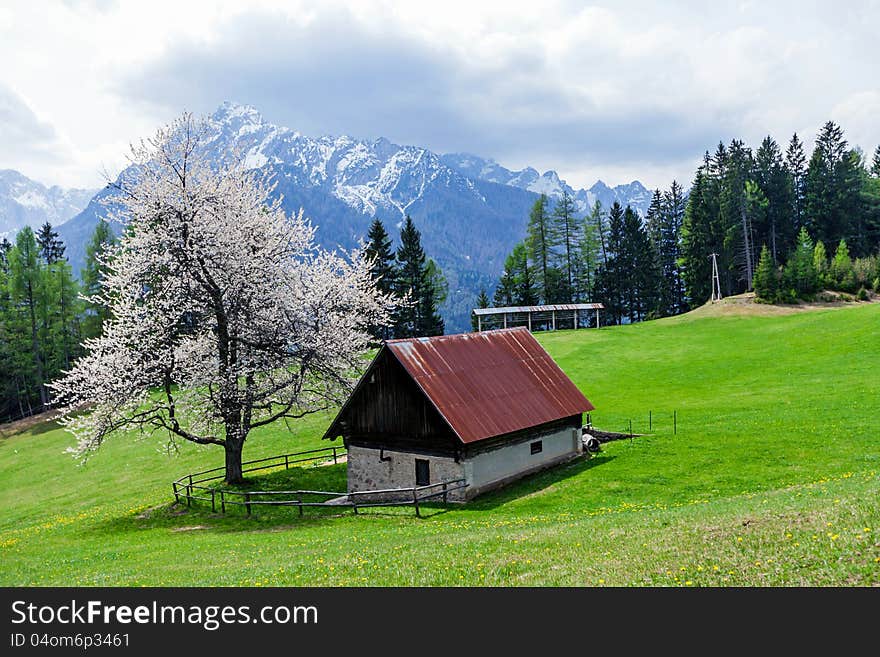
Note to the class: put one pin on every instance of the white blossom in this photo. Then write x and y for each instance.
(225, 315)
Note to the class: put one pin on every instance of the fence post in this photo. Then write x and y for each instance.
(286, 462)
(416, 503)
(176, 494)
(222, 502)
(300, 503)
(334, 456)
(444, 492)
(674, 422)
(213, 508)
(630, 431)
(247, 502)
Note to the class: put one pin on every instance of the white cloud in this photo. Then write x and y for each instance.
(26, 141)
(623, 91)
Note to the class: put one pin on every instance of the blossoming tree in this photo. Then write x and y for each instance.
(225, 316)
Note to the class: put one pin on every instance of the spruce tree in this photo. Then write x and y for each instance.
(841, 269)
(418, 317)
(505, 291)
(482, 302)
(875, 163)
(778, 229)
(517, 284)
(383, 270)
(734, 214)
(611, 279)
(820, 264)
(831, 187)
(639, 273)
(50, 246)
(654, 220)
(526, 291)
(766, 282)
(434, 296)
(795, 165)
(800, 273)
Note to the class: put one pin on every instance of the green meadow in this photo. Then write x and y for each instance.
(771, 478)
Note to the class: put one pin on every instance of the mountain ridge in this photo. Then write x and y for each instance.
(27, 202)
(342, 183)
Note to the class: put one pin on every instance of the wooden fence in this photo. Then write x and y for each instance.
(190, 488)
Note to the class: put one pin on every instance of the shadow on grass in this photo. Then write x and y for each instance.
(34, 426)
(535, 483)
(177, 517)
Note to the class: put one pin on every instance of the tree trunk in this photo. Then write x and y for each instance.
(233, 461)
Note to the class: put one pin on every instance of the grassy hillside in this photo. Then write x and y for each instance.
(773, 478)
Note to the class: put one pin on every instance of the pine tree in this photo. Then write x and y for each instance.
(795, 165)
(419, 317)
(566, 229)
(93, 274)
(875, 164)
(766, 282)
(383, 270)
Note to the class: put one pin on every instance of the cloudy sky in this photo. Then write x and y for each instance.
(617, 91)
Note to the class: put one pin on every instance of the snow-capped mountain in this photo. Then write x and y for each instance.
(470, 216)
(25, 202)
(634, 194)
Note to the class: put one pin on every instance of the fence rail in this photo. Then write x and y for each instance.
(189, 488)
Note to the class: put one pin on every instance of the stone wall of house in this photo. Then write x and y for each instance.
(497, 467)
(372, 469)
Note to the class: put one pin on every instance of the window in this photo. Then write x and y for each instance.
(423, 472)
(537, 446)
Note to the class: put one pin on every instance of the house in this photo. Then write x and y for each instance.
(486, 408)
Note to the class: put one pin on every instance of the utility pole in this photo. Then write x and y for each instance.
(716, 281)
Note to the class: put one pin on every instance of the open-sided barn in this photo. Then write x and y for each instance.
(486, 408)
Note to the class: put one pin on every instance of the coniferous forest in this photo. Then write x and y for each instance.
(44, 316)
(779, 223)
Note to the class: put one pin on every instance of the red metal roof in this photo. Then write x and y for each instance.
(491, 383)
